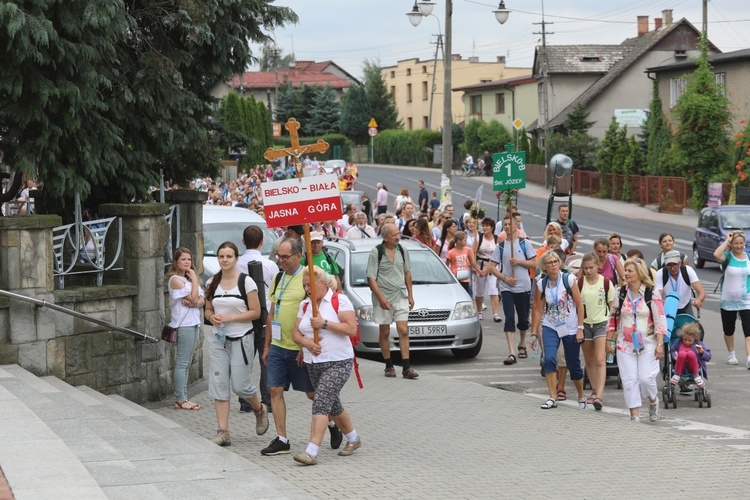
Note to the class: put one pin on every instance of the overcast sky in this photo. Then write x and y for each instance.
(349, 31)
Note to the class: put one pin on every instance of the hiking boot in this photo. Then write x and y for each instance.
(653, 412)
(306, 459)
(222, 438)
(699, 381)
(410, 374)
(336, 437)
(277, 447)
(245, 407)
(350, 447)
(261, 420)
(390, 372)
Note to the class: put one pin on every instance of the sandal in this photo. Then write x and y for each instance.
(522, 352)
(598, 404)
(186, 405)
(590, 399)
(561, 395)
(510, 360)
(551, 403)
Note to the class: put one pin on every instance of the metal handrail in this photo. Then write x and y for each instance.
(55, 307)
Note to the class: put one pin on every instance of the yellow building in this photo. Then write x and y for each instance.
(501, 100)
(412, 82)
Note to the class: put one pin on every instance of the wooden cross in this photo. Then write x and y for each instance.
(296, 150)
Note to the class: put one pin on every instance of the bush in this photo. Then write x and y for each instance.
(332, 140)
(406, 147)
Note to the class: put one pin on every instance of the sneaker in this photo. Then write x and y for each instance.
(582, 403)
(635, 419)
(748, 363)
(699, 381)
(496, 318)
(277, 447)
(675, 379)
(336, 437)
(732, 360)
(350, 447)
(261, 420)
(306, 459)
(484, 307)
(222, 438)
(245, 407)
(481, 316)
(390, 372)
(410, 374)
(653, 412)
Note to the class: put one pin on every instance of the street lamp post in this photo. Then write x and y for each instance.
(423, 9)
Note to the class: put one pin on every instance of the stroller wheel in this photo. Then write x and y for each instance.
(665, 398)
(696, 396)
(708, 400)
(700, 403)
(674, 403)
(619, 382)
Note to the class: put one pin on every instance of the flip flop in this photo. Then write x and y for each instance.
(190, 405)
(510, 360)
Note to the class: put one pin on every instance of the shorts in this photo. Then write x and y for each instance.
(398, 312)
(227, 367)
(283, 370)
(516, 303)
(591, 332)
(486, 286)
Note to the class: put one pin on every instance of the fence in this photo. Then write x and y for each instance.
(671, 194)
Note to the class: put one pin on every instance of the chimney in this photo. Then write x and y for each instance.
(657, 23)
(474, 59)
(667, 15)
(456, 57)
(642, 25)
(501, 59)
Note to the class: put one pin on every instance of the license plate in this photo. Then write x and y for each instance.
(424, 331)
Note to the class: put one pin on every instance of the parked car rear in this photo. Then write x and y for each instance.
(714, 224)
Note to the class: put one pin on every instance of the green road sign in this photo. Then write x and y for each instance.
(508, 171)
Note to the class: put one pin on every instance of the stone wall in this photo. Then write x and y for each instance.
(48, 342)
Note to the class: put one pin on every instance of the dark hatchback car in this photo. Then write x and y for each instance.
(714, 224)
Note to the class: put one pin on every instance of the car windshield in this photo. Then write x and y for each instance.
(735, 219)
(216, 234)
(426, 269)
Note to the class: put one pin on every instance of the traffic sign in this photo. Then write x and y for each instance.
(276, 129)
(518, 124)
(372, 123)
(508, 171)
(372, 131)
(303, 200)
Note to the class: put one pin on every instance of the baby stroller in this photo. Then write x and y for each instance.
(686, 384)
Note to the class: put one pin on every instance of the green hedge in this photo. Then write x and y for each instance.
(332, 140)
(406, 147)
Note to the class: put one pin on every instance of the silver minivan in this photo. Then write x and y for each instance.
(444, 316)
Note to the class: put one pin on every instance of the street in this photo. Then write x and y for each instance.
(725, 421)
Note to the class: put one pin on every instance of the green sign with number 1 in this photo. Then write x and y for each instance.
(508, 171)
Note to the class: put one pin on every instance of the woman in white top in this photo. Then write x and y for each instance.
(230, 345)
(401, 199)
(735, 297)
(486, 281)
(329, 361)
(186, 297)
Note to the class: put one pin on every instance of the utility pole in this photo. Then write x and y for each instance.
(705, 19)
(438, 48)
(545, 93)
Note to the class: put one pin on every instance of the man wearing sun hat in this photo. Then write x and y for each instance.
(676, 277)
(321, 258)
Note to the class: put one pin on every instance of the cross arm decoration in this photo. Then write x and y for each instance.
(296, 150)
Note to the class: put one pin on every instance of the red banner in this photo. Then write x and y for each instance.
(302, 201)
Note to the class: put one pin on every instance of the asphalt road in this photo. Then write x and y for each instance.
(725, 422)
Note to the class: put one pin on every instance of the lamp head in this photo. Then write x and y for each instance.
(501, 14)
(415, 16)
(426, 7)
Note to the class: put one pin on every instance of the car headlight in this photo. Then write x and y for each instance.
(464, 310)
(365, 313)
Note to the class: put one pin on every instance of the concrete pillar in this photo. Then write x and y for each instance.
(191, 220)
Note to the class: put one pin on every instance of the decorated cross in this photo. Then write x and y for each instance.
(296, 150)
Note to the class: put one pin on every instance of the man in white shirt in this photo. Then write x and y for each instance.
(381, 199)
(252, 237)
(672, 278)
(360, 229)
(344, 221)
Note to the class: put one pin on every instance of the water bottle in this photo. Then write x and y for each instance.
(221, 333)
(611, 355)
(534, 347)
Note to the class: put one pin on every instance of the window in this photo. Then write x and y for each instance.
(500, 103)
(722, 79)
(409, 125)
(475, 105)
(393, 93)
(425, 94)
(408, 71)
(408, 92)
(676, 89)
(393, 74)
(425, 122)
(424, 69)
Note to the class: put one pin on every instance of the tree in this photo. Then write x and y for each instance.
(471, 136)
(577, 120)
(605, 157)
(382, 106)
(272, 58)
(523, 144)
(702, 138)
(355, 115)
(580, 147)
(96, 97)
(659, 135)
(326, 113)
(536, 155)
(630, 167)
(493, 136)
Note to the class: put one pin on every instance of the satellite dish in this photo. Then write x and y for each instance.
(561, 165)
